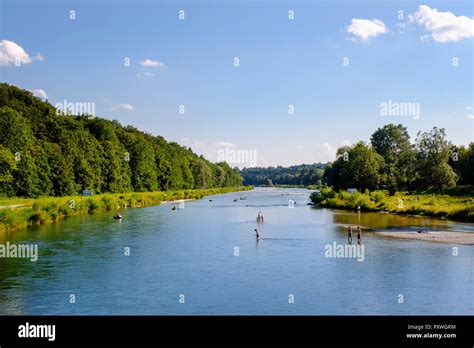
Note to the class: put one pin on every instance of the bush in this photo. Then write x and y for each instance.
(110, 203)
(326, 193)
(377, 196)
(11, 219)
(39, 217)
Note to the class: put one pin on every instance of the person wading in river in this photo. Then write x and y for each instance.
(349, 235)
(359, 235)
(256, 234)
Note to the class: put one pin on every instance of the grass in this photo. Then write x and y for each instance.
(52, 209)
(443, 206)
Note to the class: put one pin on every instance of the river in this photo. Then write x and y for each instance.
(205, 259)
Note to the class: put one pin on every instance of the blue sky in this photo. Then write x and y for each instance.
(282, 61)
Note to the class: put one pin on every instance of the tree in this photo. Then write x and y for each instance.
(304, 174)
(7, 166)
(202, 173)
(462, 162)
(356, 166)
(142, 164)
(16, 135)
(392, 142)
(363, 167)
(434, 152)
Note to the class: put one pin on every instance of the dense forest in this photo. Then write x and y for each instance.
(391, 162)
(46, 153)
(301, 175)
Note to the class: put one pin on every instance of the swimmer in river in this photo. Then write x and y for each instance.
(359, 235)
(256, 234)
(349, 235)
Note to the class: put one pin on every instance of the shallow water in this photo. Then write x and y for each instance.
(191, 251)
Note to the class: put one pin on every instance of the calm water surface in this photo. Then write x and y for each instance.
(191, 252)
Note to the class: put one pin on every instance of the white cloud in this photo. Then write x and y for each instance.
(443, 26)
(38, 57)
(11, 52)
(330, 151)
(151, 63)
(471, 116)
(469, 107)
(425, 38)
(327, 152)
(123, 106)
(40, 93)
(365, 29)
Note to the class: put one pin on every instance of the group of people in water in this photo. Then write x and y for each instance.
(259, 220)
(359, 235)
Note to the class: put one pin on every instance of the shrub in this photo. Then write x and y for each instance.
(377, 196)
(39, 217)
(11, 219)
(110, 203)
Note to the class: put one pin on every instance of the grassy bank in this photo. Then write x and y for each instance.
(18, 213)
(443, 206)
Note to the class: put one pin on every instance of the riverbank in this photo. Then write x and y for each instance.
(464, 238)
(18, 213)
(460, 208)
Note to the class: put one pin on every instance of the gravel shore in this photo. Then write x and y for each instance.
(466, 238)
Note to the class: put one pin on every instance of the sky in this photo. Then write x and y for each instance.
(251, 82)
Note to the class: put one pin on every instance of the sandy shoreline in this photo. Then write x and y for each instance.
(179, 200)
(465, 238)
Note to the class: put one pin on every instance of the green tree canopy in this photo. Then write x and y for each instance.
(434, 152)
(55, 154)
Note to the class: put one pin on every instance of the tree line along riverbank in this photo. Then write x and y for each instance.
(459, 208)
(46, 151)
(19, 213)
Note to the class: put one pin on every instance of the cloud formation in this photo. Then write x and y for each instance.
(123, 106)
(148, 63)
(11, 53)
(443, 26)
(40, 93)
(365, 29)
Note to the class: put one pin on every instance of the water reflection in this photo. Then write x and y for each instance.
(372, 220)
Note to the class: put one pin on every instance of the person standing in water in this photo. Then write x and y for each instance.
(359, 235)
(256, 234)
(349, 235)
(260, 217)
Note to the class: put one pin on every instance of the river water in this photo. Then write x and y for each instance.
(205, 259)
